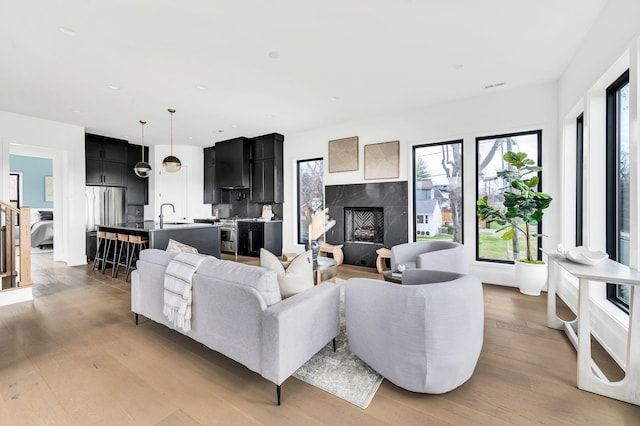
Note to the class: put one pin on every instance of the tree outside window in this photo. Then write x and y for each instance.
(490, 152)
(310, 194)
(438, 191)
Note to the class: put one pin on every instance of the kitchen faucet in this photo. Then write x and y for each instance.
(161, 215)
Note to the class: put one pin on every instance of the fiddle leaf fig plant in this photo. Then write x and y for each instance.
(523, 205)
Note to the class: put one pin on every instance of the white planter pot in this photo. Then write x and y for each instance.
(531, 277)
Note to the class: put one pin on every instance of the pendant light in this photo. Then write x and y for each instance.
(171, 164)
(142, 168)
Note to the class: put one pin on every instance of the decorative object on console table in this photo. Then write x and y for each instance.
(343, 155)
(382, 160)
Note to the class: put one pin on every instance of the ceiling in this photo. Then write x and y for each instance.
(250, 67)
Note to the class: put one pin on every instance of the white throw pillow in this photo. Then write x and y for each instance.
(296, 278)
(180, 247)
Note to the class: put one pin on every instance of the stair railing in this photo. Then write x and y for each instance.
(15, 271)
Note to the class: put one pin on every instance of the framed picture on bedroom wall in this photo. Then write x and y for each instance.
(382, 160)
(48, 188)
(343, 155)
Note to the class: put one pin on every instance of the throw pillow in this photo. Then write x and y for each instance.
(45, 214)
(180, 247)
(296, 278)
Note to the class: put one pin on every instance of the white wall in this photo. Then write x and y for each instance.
(184, 189)
(65, 144)
(502, 111)
(610, 48)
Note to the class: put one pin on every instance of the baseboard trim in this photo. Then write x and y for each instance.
(18, 295)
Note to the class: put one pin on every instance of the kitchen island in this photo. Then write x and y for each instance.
(203, 236)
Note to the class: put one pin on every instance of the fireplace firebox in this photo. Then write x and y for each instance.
(364, 224)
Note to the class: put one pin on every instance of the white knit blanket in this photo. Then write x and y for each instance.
(177, 289)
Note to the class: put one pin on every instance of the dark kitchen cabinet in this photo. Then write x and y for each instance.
(232, 163)
(267, 183)
(137, 187)
(254, 235)
(211, 190)
(105, 160)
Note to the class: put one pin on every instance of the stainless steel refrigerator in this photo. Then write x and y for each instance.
(105, 205)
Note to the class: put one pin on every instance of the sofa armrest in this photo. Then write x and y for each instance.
(296, 328)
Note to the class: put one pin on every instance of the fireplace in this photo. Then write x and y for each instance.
(364, 224)
(368, 217)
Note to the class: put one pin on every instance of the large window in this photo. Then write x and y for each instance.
(490, 151)
(618, 190)
(310, 194)
(437, 199)
(579, 178)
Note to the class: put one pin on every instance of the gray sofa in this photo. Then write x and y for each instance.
(424, 335)
(237, 311)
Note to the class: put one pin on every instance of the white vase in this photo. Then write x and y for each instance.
(531, 277)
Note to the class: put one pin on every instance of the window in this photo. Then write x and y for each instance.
(489, 156)
(14, 192)
(579, 178)
(437, 197)
(310, 194)
(618, 190)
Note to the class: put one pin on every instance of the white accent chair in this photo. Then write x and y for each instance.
(435, 255)
(424, 335)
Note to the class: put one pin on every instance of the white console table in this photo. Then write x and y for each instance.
(590, 377)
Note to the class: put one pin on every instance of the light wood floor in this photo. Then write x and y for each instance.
(73, 356)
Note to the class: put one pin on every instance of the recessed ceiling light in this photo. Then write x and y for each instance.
(76, 111)
(274, 55)
(335, 99)
(234, 125)
(113, 87)
(67, 31)
(201, 87)
(458, 66)
(190, 138)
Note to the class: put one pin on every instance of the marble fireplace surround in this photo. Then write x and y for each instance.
(392, 197)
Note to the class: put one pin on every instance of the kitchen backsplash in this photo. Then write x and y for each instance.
(240, 205)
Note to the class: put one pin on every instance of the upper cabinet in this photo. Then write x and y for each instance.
(232, 163)
(211, 191)
(267, 184)
(137, 187)
(105, 160)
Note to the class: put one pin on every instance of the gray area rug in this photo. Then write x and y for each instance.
(341, 373)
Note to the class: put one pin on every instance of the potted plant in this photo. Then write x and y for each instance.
(521, 209)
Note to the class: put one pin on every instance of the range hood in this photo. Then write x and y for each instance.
(232, 163)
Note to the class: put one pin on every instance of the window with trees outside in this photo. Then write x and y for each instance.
(310, 194)
(490, 151)
(437, 198)
(618, 183)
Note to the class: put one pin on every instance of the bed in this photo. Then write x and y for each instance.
(41, 228)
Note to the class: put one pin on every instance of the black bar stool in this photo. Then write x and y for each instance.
(123, 242)
(110, 251)
(137, 243)
(100, 249)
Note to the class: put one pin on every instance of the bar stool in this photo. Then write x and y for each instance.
(137, 243)
(119, 260)
(100, 249)
(112, 238)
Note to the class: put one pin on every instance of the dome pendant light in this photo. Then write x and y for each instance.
(142, 168)
(171, 164)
